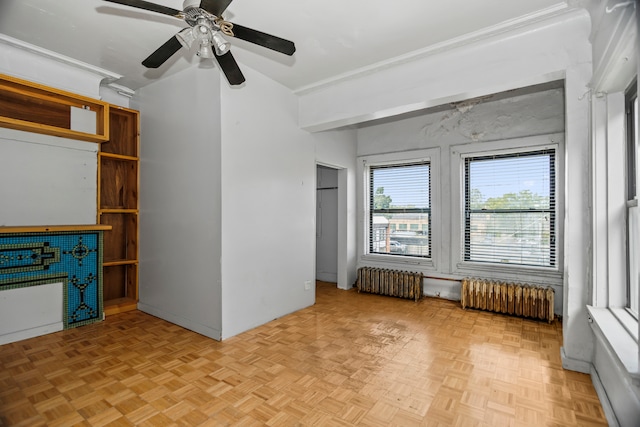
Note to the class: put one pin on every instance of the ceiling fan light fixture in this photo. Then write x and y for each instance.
(205, 51)
(203, 33)
(202, 30)
(220, 44)
(186, 38)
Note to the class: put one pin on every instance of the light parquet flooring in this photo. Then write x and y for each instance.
(351, 359)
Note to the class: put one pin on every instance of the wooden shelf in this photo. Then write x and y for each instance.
(53, 228)
(120, 262)
(31, 107)
(119, 156)
(120, 281)
(119, 305)
(116, 210)
(118, 182)
(121, 243)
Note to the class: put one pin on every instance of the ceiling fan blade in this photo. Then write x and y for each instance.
(263, 39)
(216, 7)
(230, 68)
(163, 53)
(141, 4)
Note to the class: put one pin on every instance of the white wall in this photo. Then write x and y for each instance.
(45, 312)
(268, 205)
(180, 207)
(47, 180)
(227, 198)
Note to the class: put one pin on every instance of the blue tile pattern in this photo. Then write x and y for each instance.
(71, 257)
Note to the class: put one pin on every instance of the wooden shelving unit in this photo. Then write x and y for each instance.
(118, 180)
(31, 107)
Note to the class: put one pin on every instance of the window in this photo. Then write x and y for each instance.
(400, 195)
(510, 209)
(633, 215)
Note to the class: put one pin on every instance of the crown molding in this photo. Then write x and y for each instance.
(105, 74)
(617, 65)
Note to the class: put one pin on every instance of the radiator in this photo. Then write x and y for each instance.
(403, 284)
(510, 298)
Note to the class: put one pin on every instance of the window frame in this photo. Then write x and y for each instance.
(430, 155)
(401, 226)
(632, 178)
(612, 321)
(551, 275)
(468, 211)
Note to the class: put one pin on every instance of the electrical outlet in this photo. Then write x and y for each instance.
(307, 285)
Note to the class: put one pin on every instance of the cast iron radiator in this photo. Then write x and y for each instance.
(403, 284)
(510, 298)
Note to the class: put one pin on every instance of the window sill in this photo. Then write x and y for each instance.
(422, 263)
(619, 330)
(628, 322)
(511, 272)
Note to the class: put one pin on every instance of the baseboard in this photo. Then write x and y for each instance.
(604, 399)
(574, 364)
(31, 333)
(181, 321)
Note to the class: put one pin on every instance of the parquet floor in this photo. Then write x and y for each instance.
(351, 359)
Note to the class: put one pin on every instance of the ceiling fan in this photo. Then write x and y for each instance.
(206, 30)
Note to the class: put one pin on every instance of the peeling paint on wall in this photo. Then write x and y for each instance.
(488, 118)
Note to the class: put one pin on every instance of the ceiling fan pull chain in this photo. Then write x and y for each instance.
(225, 26)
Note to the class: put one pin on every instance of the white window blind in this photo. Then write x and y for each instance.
(400, 206)
(510, 209)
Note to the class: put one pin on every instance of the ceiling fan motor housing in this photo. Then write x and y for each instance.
(193, 15)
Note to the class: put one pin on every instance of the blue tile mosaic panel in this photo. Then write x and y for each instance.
(71, 257)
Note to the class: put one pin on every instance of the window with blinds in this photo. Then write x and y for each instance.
(400, 209)
(510, 209)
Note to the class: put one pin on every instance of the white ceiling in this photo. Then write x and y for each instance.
(333, 37)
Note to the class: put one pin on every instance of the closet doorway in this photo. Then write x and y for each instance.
(327, 224)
